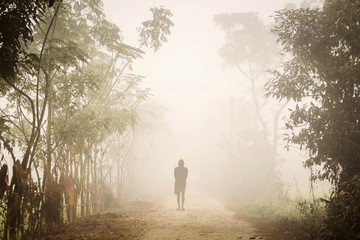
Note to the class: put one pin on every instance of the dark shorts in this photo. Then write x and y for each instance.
(179, 187)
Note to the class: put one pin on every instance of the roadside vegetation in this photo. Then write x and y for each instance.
(70, 113)
(317, 75)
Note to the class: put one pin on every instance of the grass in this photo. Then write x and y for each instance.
(291, 220)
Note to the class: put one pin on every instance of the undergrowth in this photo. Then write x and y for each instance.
(334, 218)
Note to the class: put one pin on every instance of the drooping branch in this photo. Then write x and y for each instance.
(255, 100)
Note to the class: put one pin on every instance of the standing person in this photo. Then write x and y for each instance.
(180, 174)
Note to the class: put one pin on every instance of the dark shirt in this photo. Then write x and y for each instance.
(180, 174)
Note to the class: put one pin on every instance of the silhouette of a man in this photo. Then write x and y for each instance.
(180, 174)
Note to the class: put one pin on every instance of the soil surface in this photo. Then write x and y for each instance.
(204, 218)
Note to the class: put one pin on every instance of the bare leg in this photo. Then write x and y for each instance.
(183, 200)
(178, 201)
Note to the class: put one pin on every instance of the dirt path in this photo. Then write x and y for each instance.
(157, 219)
(204, 218)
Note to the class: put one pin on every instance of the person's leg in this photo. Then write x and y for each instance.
(178, 201)
(183, 200)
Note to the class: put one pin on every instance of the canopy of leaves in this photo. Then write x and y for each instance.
(247, 39)
(17, 19)
(323, 77)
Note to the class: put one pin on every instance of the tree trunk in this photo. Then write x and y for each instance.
(95, 181)
(88, 188)
(82, 181)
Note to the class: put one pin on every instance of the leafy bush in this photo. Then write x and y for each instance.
(343, 211)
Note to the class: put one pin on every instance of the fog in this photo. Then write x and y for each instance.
(202, 106)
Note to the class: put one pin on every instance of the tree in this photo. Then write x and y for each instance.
(322, 77)
(74, 80)
(252, 50)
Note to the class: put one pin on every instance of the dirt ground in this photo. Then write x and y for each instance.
(204, 218)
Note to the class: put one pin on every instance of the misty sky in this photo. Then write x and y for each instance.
(186, 75)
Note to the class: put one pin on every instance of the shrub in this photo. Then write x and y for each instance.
(343, 211)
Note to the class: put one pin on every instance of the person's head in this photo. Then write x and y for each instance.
(181, 163)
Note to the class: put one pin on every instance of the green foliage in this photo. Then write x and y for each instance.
(71, 76)
(343, 211)
(17, 20)
(61, 55)
(323, 77)
(153, 32)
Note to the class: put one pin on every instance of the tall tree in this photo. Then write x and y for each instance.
(322, 77)
(252, 50)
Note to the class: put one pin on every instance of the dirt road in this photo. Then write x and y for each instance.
(157, 219)
(204, 218)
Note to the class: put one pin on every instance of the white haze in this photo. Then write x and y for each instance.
(186, 78)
